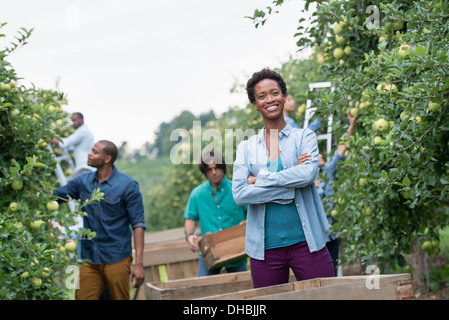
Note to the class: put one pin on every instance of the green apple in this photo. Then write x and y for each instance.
(338, 28)
(393, 88)
(17, 185)
(61, 248)
(70, 246)
(340, 40)
(5, 86)
(426, 246)
(377, 140)
(405, 194)
(363, 105)
(42, 144)
(24, 275)
(347, 50)
(45, 273)
(334, 213)
(401, 52)
(36, 224)
(341, 200)
(403, 115)
(338, 53)
(398, 25)
(382, 125)
(367, 211)
(416, 118)
(435, 243)
(36, 282)
(15, 112)
(387, 88)
(13, 206)
(362, 182)
(434, 106)
(354, 111)
(52, 205)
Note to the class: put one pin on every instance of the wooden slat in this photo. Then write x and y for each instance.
(253, 293)
(158, 237)
(223, 247)
(404, 290)
(391, 287)
(198, 287)
(169, 255)
(199, 281)
(347, 289)
(226, 234)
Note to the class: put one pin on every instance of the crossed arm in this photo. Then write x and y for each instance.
(271, 186)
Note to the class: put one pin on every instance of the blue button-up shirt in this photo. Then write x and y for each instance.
(111, 219)
(294, 183)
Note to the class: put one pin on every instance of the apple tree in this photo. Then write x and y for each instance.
(389, 61)
(33, 255)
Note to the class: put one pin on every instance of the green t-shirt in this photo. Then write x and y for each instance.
(214, 214)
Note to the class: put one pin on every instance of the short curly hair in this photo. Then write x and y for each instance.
(262, 75)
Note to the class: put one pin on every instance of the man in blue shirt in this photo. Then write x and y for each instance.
(108, 254)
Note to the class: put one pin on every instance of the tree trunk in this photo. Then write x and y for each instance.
(418, 269)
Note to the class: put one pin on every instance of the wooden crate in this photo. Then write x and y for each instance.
(167, 261)
(200, 286)
(164, 236)
(390, 287)
(223, 247)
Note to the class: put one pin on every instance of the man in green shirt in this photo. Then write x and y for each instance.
(212, 204)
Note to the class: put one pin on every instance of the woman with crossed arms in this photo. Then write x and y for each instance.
(286, 223)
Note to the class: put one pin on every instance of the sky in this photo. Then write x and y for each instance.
(130, 65)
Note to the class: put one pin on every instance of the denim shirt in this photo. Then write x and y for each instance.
(295, 182)
(111, 218)
(325, 187)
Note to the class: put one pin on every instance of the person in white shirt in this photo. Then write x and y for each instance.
(80, 142)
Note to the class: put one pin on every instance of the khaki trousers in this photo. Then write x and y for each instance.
(93, 279)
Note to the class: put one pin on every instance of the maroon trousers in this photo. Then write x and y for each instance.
(275, 268)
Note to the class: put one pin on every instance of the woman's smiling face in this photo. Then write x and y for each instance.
(269, 100)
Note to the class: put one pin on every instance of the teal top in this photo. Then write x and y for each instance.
(282, 223)
(215, 212)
